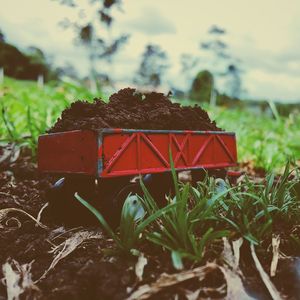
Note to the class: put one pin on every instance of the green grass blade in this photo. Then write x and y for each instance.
(100, 219)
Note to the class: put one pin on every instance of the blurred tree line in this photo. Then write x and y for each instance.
(92, 29)
(27, 65)
(220, 70)
(152, 68)
(93, 32)
(215, 75)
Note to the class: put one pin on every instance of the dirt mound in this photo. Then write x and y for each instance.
(130, 109)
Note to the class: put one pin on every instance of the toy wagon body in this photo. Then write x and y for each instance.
(109, 153)
(103, 165)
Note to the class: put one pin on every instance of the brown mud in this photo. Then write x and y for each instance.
(90, 271)
(132, 110)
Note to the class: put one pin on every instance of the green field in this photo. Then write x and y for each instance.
(28, 110)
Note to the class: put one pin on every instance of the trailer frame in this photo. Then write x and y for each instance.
(112, 152)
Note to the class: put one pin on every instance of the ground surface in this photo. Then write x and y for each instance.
(86, 269)
(87, 272)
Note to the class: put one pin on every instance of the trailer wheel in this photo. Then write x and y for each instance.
(159, 185)
(127, 195)
(64, 208)
(199, 175)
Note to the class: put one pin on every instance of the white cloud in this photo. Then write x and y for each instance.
(151, 22)
(274, 86)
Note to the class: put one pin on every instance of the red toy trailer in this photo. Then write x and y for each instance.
(125, 152)
(115, 156)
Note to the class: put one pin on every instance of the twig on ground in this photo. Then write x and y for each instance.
(67, 247)
(40, 212)
(264, 276)
(275, 247)
(5, 211)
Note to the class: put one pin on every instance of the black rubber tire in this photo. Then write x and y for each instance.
(118, 201)
(107, 197)
(199, 175)
(63, 208)
(159, 186)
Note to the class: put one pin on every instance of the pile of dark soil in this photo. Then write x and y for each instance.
(130, 109)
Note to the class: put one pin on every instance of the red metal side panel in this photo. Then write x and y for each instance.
(73, 152)
(139, 152)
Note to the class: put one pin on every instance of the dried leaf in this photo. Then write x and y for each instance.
(236, 245)
(67, 247)
(232, 273)
(167, 280)
(193, 295)
(227, 253)
(140, 265)
(275, 247)
(17, 279)
(235, 287)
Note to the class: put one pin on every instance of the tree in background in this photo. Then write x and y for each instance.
(202, 86)
(217, 47)
(68, 71)
(223, 65)
(2, 37)
(218, 50)
(20, 65)
(234, 81)
(39, 59)
(152, 67)
(188, 63)
(92, 29)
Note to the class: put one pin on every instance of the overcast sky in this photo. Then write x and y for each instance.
(263, 34)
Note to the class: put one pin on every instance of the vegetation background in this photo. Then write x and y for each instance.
(34, 89)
